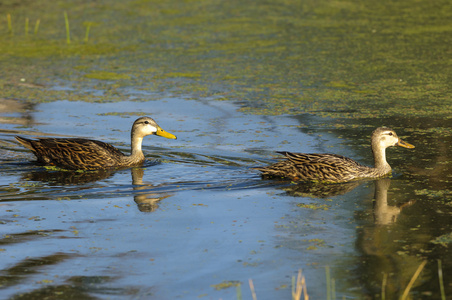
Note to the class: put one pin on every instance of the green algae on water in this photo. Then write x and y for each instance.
(105, 75)
(226, 284)
(283, 57)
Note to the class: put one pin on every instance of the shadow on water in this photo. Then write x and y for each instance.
(28, 267)
(76, 287)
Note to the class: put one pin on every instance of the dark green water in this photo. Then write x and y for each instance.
(234, 81)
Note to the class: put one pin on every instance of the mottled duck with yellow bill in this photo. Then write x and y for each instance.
(331, 168)
(85, 154)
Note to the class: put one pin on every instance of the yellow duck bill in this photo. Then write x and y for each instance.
(165, 134)
(404, 144)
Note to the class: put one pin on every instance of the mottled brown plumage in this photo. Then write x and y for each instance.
(84, 154)
(336, 168)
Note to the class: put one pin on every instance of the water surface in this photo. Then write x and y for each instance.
(235, 82)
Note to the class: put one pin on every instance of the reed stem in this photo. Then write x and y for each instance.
(328, 283)
(68, 33)
(38, 21)
(253, 292)
(441, 282)
(88, 26)
(27, 21)
(10, 26)
(333, 289)
(239, 291)
(413, 279)
(299, 287)
(383, 286)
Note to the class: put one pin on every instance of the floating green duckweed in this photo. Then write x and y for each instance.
(283, 57)
(104, 75)
(314, 206)
(442, 194)
(225, 285)
(445, 240)
(178, 74)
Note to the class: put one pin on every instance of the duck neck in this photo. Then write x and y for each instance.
(135, 152)
(380, 159)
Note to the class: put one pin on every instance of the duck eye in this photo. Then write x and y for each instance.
(390, 133)
(146, 122)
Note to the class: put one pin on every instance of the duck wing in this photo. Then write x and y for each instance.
(74, 154)
(324, 166)
(314, 167)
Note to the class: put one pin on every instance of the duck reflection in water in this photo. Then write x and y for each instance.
(144, 198)
(320, 190)
(143, 194)
(64, 177)
(385, 214)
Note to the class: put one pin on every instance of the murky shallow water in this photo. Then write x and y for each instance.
(197, 216)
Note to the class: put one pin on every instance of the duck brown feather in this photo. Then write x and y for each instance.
(74, 153)
(86, 154)
(326, 167)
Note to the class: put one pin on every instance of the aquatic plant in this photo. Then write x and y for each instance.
(26, 26)
(68, 32)
(88, 27)
(10, 26)
(299, 285)
(38, 21)
(441, 281)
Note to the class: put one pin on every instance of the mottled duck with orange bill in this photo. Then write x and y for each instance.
(331, 168)
(85, 154)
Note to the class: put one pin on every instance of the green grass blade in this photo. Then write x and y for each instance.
(10, 24)
(38, 21)
(68, 32)
(88, 26)
(27, 21)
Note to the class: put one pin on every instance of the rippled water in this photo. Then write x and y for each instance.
(196, 216)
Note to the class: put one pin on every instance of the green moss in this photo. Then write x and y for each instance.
(443, 195)
(105, 75)
(178, 74)
(333, 59)
(314, 206)
(225, 284)
(445, 240)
